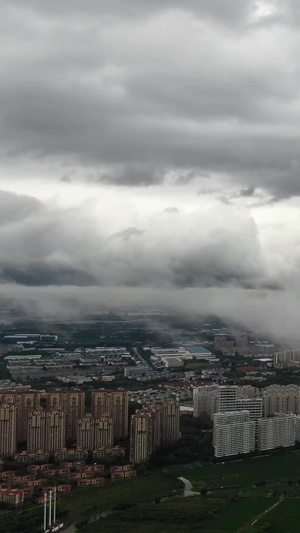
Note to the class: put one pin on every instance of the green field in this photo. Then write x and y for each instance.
(84, 503)
(238, 514)
(243, 473)
(184, 514)
(285, 517)
(239, 499)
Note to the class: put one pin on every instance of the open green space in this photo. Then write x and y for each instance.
(237, 514)
(234, 495)
(243, 473)
(84, 503)
(285, 517)
(117, 526)
(183, 514)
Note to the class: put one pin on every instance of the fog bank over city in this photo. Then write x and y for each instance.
(264, 312)
(150, 159)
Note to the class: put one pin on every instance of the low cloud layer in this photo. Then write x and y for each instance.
(151, 146)
(116, 242)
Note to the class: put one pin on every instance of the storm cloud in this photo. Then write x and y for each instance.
(145, 87)
(150, 146)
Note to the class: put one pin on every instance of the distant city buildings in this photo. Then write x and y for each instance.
(287, 358)
(48, 421)
(281, 399)
(46, 430)
(276, 432)
(8, 429)
(176, 357)
(245, 418)
(93, 433)
(241, 345)
(233, 433)
(153, 425)
(115, 405)
(73, 403)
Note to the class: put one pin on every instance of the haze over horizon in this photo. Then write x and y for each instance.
(150, 157)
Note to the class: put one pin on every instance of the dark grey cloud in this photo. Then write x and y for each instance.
(249, 191)
(230, 13)
(127, 233)
(143, 88)
(15, 207)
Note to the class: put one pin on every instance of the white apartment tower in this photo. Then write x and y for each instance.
(227, 396)
(205, 401)
(233, 433)
(253, 405)
(276, 432)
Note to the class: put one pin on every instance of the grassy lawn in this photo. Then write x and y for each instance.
(235, 518)
(285, 517)
(117, 526)
(86, 502)
(182, 514)
(237, 514)
(243, 473)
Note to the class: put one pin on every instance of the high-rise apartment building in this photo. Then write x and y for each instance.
(287, 358)
(253, 405)
(46, 429)
(281, 399)
(248, 391)
(170, 431)
(156, 410)
(242, 344)
(103, 432)
(92, 433)
(227, 395)
(155, 424)
(73, 403)
(24, 400)
(205, 401)
(115, 405)
(8, 429)
(213, 399)
(85, 432)
(276, 432)
(36, 430)
(233, 433)
(141, 444)
(55, 429)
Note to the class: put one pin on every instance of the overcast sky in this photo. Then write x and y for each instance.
(149, 148)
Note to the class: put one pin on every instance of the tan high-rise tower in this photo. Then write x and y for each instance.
(170, 432)
(73, 403)
(157, 412)
(36, 430)
(155, 424)
(55, 429)
(115, 405)
(93, 432)
(141, 446)
(85, 432)
(46, 430)
(25, 401)
(8, 429)
(103, 431)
